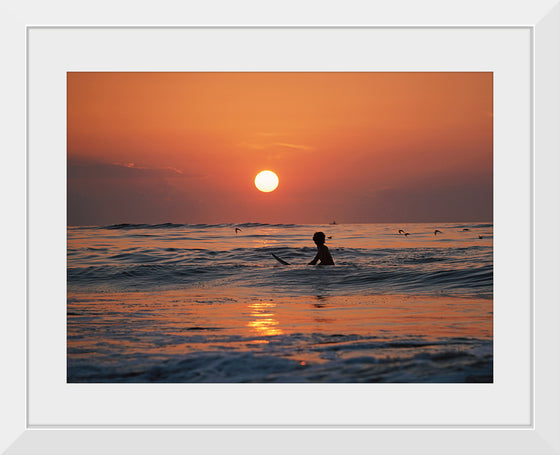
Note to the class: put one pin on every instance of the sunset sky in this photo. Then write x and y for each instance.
(350, 147)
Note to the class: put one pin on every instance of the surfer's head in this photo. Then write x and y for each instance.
(319, 238)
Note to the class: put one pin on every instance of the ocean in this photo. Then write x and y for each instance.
(177, 303)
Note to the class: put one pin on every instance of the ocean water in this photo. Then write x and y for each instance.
(204, 303)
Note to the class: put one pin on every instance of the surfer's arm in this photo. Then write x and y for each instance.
(315, 259)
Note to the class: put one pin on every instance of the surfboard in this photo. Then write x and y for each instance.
(281, 261)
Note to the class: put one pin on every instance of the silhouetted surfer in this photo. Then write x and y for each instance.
(237, 230)
(323, 253)
(437, 231)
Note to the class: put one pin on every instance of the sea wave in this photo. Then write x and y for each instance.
(345, 278)
(342, 359)
(474, 226)
(142, 226)
(175, 256)
(131, 226)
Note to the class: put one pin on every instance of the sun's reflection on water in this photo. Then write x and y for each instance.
(264, 322)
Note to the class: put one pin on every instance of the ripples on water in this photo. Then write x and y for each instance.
(369, 258)
(202, 303)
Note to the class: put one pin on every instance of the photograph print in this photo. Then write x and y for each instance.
(279, 227)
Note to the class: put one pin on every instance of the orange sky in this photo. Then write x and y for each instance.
(355, 147)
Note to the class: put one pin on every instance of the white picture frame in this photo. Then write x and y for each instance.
(540, 435)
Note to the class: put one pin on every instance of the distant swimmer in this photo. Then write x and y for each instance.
(466, 229)
(237, 230)
(323, 253)
(480, 237)
(403, 233)
(437, 231)
(406, 233)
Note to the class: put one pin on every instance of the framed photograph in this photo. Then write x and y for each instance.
(308, 235)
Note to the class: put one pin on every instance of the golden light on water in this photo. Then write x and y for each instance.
(264, 323)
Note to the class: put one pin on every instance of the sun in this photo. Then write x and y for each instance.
(266, 181)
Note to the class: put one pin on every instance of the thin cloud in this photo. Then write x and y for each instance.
(275, 145)
(144, 168)
(99, 170)
(292, 146)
